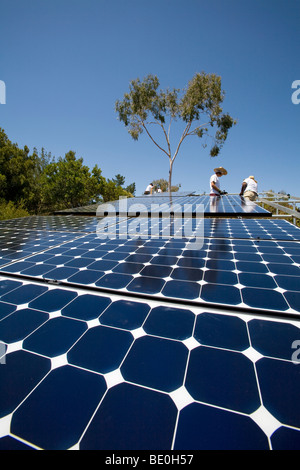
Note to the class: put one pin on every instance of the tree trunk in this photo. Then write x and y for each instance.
(170, 176)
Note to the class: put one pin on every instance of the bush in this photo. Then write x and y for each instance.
(9, 210)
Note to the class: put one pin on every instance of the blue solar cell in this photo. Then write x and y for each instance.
(223, 331)
(248, 257)
(86, 277)
(181, 289)
(53, 300)
(58, 260)
(222, 294)
(217, 429)
(79, 262)
(55, 337)
(128, 268)
(286, 439)
(103, 265)
(114, 281)
(61, 273)
(156, 271)
(272, 338)
(38, 270)
(257, 280)
(56, 426)
(293, 299)
(125, 314)
(220, 277)
(187, 274)
(118, 256)
(279, 384)
(170, 323)
(20, 324)
(288, 282)
(86, 307)
(21, 373)
(6, 309)
(266, 299)
(8, 285)
(156, 363)
(193, 263)
(251, 267)
(18, 267)
(24, 294)
(146, 285)
(138, 425)
(215, 376)
(101, 349)
(286, 269)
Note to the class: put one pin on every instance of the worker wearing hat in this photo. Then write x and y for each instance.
(249, 189)
(215, 189)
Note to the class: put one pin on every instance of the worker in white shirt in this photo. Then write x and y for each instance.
(249, 189)
(149, 189)
(215, 188)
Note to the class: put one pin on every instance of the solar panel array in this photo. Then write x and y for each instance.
(182, 203)
(122, 333)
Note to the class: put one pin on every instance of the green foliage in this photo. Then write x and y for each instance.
(44, 184)
(119, 181)
(163, 184)
(198, 107)
(8, 210)
(131, 189)
(17, 169)
(67, 183)
(111, 192)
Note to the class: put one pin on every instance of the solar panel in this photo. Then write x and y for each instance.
(96, 371)
(161, 205)
(140, 334)
(57, 223)
(248, 268)
(91, 209)
(178, 203)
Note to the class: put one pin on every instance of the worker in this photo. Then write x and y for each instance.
(149, 189)
(249, 189)
(215, 188)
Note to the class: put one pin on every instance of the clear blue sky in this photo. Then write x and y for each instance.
(66, 62)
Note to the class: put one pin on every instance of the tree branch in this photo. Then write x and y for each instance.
(184, 135)
(167, 136)
(193, 132)
(167, 139)
(163, 150)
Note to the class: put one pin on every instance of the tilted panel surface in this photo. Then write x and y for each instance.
(238, 263)
(209, 205)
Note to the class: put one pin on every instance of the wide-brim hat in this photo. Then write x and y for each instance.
(220, 169)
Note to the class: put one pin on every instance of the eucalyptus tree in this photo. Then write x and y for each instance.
(197, 107)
